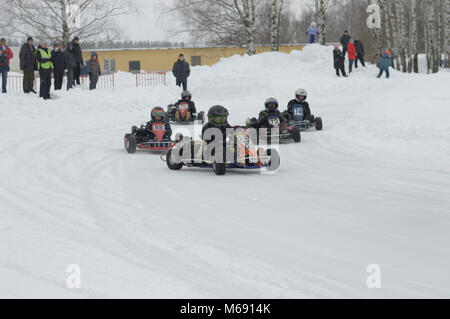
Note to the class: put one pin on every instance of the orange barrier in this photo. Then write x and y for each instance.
(151, 78)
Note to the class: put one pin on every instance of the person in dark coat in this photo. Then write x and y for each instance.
(70, 64)
(345, 39)
(384, 63)
(28, 65)
(45, 66)
(59, 64)
(359, 52)
(339, 58)
(93, 67)
(181, 71)
(77, 53)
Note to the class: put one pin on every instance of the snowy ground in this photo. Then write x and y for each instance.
(372, 188)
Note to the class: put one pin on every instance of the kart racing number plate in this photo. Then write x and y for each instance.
(159, 129)
(298, 111)
(275, 121)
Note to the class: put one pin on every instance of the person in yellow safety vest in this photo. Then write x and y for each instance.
(45, 67)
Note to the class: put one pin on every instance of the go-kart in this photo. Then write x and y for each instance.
(239, 156)
(297, 118)
(144, 140)
(276, 132)
(180, 114)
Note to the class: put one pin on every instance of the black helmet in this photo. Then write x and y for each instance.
(218, 115)
(271, 104)
(158, 112)
(186, 94)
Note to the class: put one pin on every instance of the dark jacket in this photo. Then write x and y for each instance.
(181, 70)
(359, 48)
(149, 125)
(93, 66)
(76, 51)
(304, 104)
(345, 39)
(41, 59)
(27, 58)
(264, 118)
(192, 108)
(69, 58)
(339, 58)
(209, 125)
(58, 60)
(384, 62)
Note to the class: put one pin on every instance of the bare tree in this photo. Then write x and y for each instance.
(225, 21)
(321, 14)
(62, 19)
(276, 11)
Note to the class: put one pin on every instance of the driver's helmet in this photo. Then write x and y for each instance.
(218, 115)
(158, 111)
(301, 95)
(271, 104)
(186, 95)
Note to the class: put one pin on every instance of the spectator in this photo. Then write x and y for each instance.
(351, 54)
(384, 63)
(359, 52)
(93, 67)
(28, 65)
(181, 71)
(312, 32)
(345, 39)
(59, 64)
(339, 59)
(45, 66)
(69, 60)
(77, 53)
(5, 56)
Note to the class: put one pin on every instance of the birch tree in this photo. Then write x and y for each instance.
(276, 11)
(60, 20)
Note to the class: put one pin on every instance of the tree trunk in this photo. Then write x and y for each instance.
(322, 23)
(274, 25)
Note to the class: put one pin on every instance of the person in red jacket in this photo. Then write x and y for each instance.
(5, 55)
(351, 54)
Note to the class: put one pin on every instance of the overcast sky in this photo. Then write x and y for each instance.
(151, 24)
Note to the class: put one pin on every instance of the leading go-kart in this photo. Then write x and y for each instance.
(145, 140)
(180, 114)
(297, 119)
(242, 156)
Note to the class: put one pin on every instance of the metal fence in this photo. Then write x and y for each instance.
(151, 78)
(15, 83)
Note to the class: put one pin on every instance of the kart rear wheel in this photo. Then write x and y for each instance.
(275, 160)
(130, 144)
(296, 134)
(319, 124)
(219, 169)
(171, 164)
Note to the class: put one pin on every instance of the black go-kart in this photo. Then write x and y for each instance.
(180, 114)
(145, 140)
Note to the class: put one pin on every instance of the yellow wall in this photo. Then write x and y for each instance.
(163, 59)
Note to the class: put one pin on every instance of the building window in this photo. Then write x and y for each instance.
(196, 60)
(135, 66)
(110, 66)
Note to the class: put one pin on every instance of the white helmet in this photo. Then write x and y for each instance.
(301, 92)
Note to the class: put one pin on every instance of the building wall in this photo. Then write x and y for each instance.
(163, 59)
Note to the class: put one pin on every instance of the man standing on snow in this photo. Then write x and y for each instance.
(359, 52)
(5, 55)
(345, 39)
(69, 60)
(28, 65)
(77, 53)
(181, 71)
(45, 66)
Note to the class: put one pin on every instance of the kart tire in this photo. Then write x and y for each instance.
(130, 144)
(219, 169)
(171, 165)
(319, 124)
(275, 160)
(296, 134)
